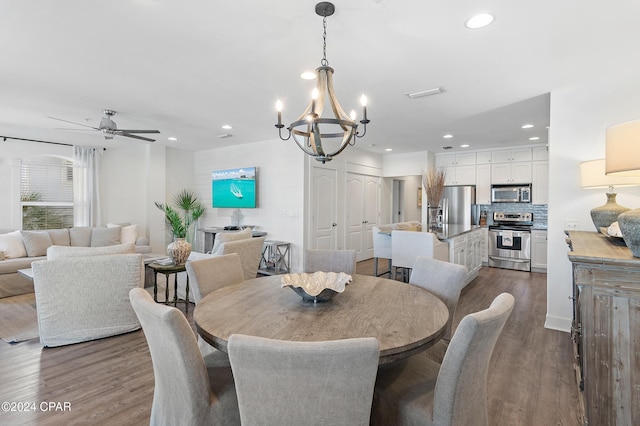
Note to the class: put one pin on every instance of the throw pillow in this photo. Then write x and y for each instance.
(36, 242)
(80, 236)
(128, 234)
(58, 252)
(223, 237)
(60, 237)
(12, 246)
(101, 237)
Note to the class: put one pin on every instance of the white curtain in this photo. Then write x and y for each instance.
(86, 177)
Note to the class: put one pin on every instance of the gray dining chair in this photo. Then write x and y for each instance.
(445, 280)
(418, 391)
(189, 389)
(330, 261)
(209, 274)
(283, 383)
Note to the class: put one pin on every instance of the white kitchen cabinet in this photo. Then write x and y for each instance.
(483, 157)
(485, 246)
(516, 172)
(511, 155)
(458, 159)
(483, 184)
(540, 153)
(540, 182)
(538, 250)
(460, 175)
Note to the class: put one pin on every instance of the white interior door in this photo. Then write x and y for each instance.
(371, 213)
(354, 204)
(324, 219)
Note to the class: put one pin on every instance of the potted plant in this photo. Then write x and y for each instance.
(180, 223)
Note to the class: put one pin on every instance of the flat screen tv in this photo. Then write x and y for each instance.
(234, 188)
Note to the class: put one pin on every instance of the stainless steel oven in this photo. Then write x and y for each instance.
(510, 241)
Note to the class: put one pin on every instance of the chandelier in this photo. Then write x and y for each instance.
(311, 129)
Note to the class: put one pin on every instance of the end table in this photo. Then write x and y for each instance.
(168, 270)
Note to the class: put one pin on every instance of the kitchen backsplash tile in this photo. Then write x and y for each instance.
(539, 211)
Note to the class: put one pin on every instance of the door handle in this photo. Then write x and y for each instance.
(333, 225)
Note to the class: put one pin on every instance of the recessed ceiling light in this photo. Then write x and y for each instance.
(464, 145)
(308, 75)
(534, 138)
(481, 20)
(527, 126)
(448, 136)
(388, 149)
(172, 138)
(227, 127)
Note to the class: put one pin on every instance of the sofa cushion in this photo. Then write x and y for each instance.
(224, 237)
(59, 237)
(80, 236)
(36, 242)
(128, 233)
(58, 252)
(101, 237)
(12, 245)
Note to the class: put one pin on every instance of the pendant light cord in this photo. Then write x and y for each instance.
(324, 61)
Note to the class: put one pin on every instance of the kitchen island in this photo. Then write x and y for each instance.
(466, 246)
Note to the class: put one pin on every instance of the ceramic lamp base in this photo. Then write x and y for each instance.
(630, 228)
(608, 213)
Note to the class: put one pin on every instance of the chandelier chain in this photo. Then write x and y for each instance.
(324, 61)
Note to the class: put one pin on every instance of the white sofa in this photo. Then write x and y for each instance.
(86, 296)
(382, 241)
(19, 249)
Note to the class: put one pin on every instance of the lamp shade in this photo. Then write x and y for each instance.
(623, 149)
(592, 175)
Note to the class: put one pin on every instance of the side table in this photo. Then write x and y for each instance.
(276, 258)
(168, 270)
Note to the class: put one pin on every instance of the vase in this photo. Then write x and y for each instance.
(629, 222)
(179, 251)
(608, 213)
(432, 219)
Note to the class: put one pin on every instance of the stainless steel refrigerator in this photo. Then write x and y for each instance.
(459, 205)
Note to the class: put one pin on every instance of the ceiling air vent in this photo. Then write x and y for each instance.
(422, 93)
(224, 135)
(447, 147)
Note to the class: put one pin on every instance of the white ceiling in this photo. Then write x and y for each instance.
(188, 67)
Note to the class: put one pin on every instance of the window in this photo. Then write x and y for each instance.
(46, 193)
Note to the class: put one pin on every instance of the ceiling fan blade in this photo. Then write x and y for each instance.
(73, 122)
(129, 135)
(139, 131)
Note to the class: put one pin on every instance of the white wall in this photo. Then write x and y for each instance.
(579, 118)
(280, 189)
(414, 163)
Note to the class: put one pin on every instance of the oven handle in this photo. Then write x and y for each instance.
(509, 259)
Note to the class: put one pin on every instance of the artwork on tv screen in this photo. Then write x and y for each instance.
(234, 188)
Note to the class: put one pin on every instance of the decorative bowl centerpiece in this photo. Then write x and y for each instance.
(318, 286)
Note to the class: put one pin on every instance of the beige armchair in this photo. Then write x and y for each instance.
(86, 298)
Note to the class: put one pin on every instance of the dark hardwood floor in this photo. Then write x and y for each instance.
(110, 381)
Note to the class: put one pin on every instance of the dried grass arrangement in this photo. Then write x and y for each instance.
(433, 182)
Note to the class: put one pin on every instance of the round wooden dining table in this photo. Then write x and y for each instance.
(405, 319)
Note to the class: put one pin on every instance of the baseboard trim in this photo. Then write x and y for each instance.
(556, 323)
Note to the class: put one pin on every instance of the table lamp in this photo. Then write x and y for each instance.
(622, 158)
(592, 176)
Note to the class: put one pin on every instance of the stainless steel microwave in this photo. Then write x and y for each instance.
(511, 193)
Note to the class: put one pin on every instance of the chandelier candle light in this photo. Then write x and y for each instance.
(306, 130)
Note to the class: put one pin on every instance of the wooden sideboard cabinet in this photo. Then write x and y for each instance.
(606, 327)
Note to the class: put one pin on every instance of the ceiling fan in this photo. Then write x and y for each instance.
(110, 129)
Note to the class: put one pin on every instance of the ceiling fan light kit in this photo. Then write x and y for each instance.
(306, 130)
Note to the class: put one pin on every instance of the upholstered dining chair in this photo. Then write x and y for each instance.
(209, 274)
(330, 261)
(212, 273)
(250, 251)
(418, 391)
(284, 383)
(189, 389)
(445, 280)
(407, 246)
